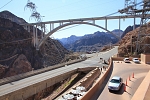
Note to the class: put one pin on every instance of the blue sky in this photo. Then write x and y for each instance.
(70, 9)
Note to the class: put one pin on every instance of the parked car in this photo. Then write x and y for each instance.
(115, 83)
(126, 60)
(135, 60)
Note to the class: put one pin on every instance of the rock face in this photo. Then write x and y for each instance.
(20, 65)
(128, 29)
(8, 15)
(17, 54)
(127, 46)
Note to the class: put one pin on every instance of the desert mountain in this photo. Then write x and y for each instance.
(128, 29)
(91, 42)
(17, 54)
(8, 15)
(127, 45)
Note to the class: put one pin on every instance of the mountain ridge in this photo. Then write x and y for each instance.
(96, 39)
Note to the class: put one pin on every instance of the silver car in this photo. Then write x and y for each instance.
(135, 60)
(115, 83)
(126, 60)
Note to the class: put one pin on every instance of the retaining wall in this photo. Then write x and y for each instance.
(145, 58)
(91, 78)
(28, 91)
(35, 72)
(142, 93)
(97, 85)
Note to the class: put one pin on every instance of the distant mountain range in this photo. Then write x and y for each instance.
(90, 42)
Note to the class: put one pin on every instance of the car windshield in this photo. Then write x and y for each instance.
(126, 59)
(114, 81)
(135, 59)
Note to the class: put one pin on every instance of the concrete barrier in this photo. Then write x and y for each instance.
(91, 78)
(35, 72)
(85, 69)
(28, 91)
(121, 58)
(96, 86)
(142, 93)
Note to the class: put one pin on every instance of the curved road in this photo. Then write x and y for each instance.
(93, 61)
(124, 70)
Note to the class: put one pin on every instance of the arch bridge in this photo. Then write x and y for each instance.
(57, 25)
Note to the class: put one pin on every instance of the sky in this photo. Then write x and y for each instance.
(53, 10)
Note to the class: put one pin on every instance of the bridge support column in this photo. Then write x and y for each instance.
(93, 21)
(25, 27)
(106, 23)
(119, 27)
(51, 26)
(29, 29)
(134, 22)
(36, 37)
(33, 36)
(44, 31)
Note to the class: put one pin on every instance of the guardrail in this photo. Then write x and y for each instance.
(35, 72)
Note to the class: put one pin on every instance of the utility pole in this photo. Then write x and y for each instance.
(131, 8)
(142, 35)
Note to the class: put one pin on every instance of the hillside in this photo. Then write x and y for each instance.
(17, 54)
(127, 46)
(128, 29)
(8, 15)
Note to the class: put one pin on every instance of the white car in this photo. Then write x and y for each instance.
(126, 60)
(135, 60)
(115, 83)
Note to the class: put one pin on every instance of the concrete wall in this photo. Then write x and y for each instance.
(35, 88)
(143, 91)
(28, 91)
(85, 69)
(90, 78)
(35, 72)
(97, 85)
(145, 58)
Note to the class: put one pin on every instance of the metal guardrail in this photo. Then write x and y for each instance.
(35, 72)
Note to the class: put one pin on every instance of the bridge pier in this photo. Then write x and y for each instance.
(106, 23)
(119, 27)
(33, 36)
(37, 42)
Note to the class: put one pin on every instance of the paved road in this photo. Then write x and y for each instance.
(123, 70)
(93, 61)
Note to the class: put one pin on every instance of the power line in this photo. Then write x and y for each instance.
(6, 4)
(103, 16)
(80, 24)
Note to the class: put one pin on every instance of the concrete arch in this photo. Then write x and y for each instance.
(67, 24)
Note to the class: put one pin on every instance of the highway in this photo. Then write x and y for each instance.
(123, 70)
(93, 61)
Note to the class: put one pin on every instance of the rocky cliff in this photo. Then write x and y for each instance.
(127, 46)
(17, 54)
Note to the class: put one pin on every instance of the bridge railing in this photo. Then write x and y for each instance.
(35, 72)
